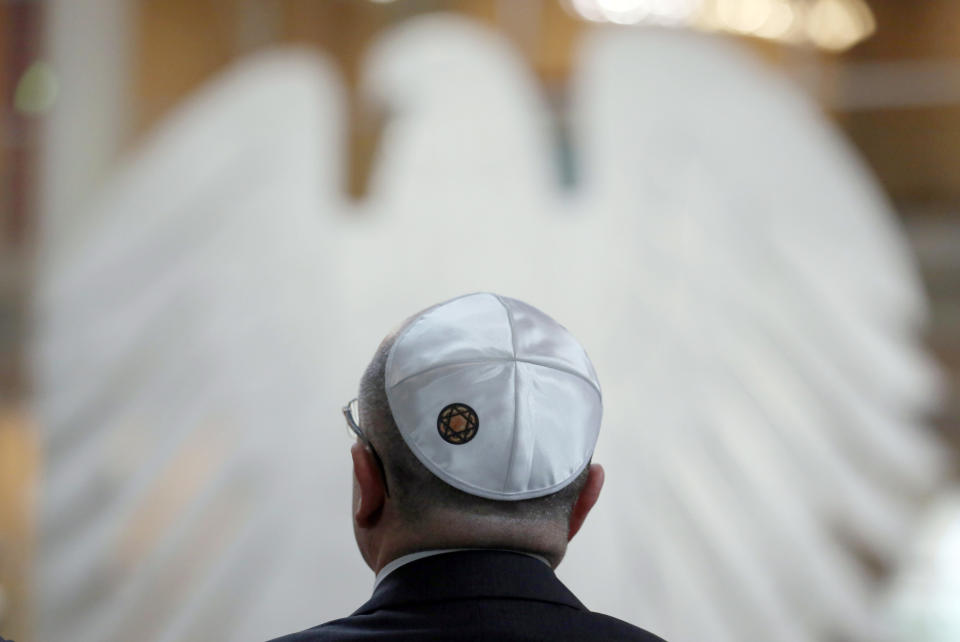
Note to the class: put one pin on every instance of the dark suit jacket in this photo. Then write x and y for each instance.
(473, 595)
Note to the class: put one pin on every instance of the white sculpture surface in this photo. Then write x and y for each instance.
(923, 597)
(740, 285)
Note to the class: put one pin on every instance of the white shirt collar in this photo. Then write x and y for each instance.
(393, 565)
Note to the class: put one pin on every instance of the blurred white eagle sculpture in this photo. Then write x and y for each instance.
(738, 279)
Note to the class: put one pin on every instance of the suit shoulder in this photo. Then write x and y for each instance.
(320, 633)
(489, 620)
(620, 630)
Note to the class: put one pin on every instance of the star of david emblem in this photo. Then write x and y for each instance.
(457, 423)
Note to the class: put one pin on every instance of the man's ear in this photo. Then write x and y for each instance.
(588, 497)
(370, 490)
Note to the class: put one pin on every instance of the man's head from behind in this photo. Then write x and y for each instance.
(479, 417)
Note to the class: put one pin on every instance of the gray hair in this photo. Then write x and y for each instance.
(416, 490)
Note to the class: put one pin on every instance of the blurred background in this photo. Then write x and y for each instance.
(84, 84)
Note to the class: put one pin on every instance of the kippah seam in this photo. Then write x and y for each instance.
(516, 394)
(454, 364)
(405, 331)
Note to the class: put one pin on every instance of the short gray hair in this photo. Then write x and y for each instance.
(416, 490)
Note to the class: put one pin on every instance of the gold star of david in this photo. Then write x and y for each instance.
(457, 423)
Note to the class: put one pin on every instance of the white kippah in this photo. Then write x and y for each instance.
(494, 397)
